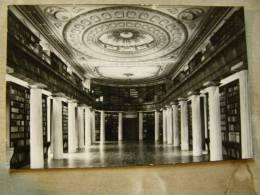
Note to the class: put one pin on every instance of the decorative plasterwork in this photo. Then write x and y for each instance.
(125, 34)
(148, 38)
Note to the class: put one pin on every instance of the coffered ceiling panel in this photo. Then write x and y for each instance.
(124, 42)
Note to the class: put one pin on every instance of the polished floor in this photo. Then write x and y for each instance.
(125, 154)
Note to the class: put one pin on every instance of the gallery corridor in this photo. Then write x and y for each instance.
(107, 85)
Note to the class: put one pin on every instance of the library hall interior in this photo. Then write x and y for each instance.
(125, 85)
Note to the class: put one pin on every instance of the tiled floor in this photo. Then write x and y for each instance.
(125, 154)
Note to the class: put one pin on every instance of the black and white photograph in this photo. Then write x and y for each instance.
(91, 85)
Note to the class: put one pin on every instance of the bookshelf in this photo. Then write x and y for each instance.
(225, 32)
(179, 122)
(190, 125)
(21, 33)
(230, 120)
(148, 126)
(207, 140)
(19, 105)
(131, 95)
(44, 126)
(65, 126)
(203, 126)
(160, 126)
(58, 64)
(97, 124)
(19, 115)
(111, 126)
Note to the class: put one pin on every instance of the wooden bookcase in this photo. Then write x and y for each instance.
(179, 122)
(97, 124)
(190, 125)
(23, 34)
(160, 126)
(19, 124)
(111, 126)
(207, 140)
(65, 126)
(148, 126)
(19, 115)
(203, 126)
(230, 120)
(45, 126)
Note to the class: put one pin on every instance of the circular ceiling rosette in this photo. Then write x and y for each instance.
(125, 33)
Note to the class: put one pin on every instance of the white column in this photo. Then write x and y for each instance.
(196, 126)
(175, 125)
(156, 125)
(120, 126)
(184, 125)
(72, 147)
(102, 127)
(49, 119)
(80, 121)
(245, 115)
(57, 128)
(87, 127)
(164, 112)
(214, 124)
(140, 122)
(93, 124)
(36, 130)
(169, 125)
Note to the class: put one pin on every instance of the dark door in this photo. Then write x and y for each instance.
(130, 129)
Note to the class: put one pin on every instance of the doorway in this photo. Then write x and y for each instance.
(130, 129)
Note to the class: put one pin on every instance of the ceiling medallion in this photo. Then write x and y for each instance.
(126, 40)
(125, 33)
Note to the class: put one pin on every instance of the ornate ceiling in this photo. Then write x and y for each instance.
(124, 42)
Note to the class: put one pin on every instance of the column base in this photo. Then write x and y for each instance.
(58, 157)
(184, 148)
(37, 166)
(197, 153)
(216, 158)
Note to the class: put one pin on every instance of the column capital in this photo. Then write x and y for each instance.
(86, 106)
(37, 86)
(238, 67)
(59, 95)
(191, 93)
(182, 99)
(169, 106)
(211, 84)
(72, 101)
(92, 109)
(173, 103)
(164, 107)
